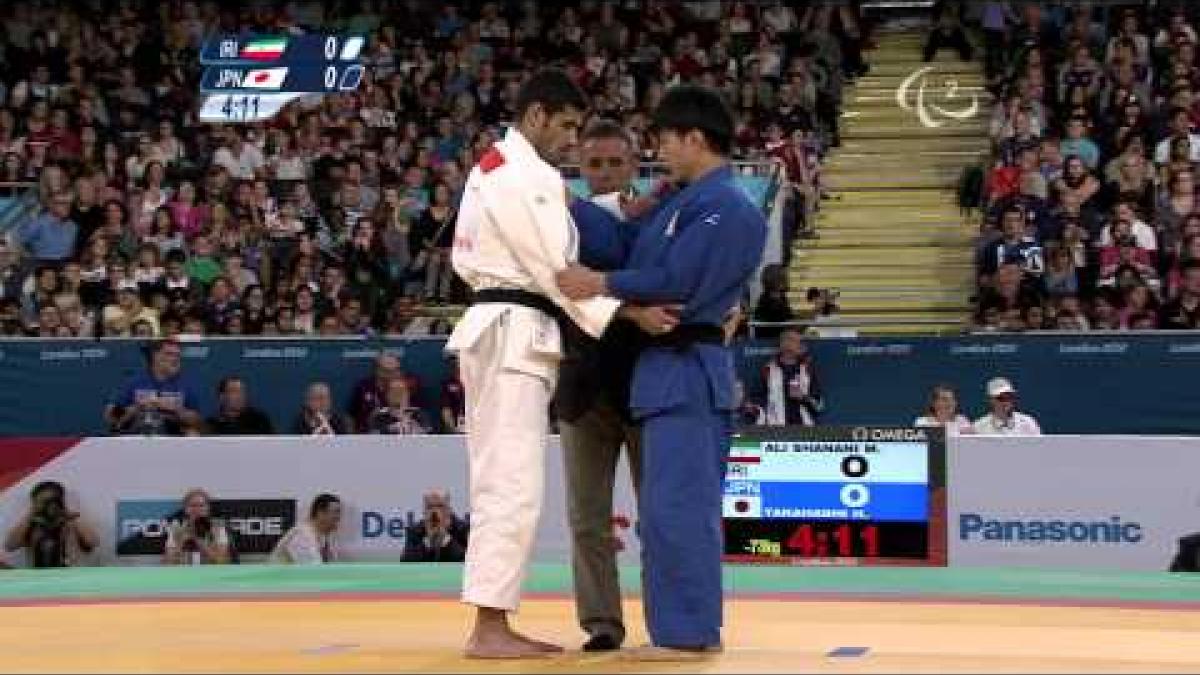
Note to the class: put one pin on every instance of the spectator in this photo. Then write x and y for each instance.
(747, 413)
(235, 416)
(1013, 247)
(118, 320)
(197, 539)
(396, 415)
(1183, 311)
(1010, 291)
(159, 401)
(50, 533)
(773, 306)
(1180, 129)
(435, 232)
(11, 276)
(50, 237)
(452, 407)
(1143, 234)
(370, 392)
(792, 388)
(317, 416)
(312, 542)
(1003, 419)
(440, 535)
(1076, 181)
(947, 30)
(943, 412)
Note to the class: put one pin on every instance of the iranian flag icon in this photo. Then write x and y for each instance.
(264, 49)
(264, 78)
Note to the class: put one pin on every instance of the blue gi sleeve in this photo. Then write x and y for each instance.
(603, 238)
(713, 241)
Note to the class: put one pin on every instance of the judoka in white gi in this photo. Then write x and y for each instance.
(512, 235)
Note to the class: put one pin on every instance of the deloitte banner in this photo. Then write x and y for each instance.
(129, 489)
(1076, 502)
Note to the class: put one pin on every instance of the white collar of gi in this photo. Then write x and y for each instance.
(517, 148)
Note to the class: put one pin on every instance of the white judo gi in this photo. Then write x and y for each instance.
(513, 232)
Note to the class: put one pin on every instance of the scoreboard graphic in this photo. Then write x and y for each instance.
(250, 78)
(838, 494)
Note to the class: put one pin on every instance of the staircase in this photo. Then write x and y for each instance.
(891, 237)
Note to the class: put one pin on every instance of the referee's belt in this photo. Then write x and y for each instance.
(517, 296)
(687, 334)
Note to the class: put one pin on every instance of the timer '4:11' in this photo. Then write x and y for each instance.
(810, 541)
(232, 105)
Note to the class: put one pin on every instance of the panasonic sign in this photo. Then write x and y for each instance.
(978, 527)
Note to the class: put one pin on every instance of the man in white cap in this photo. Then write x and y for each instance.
(1003, 418)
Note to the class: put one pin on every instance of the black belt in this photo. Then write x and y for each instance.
(516, 296)
(687, 334)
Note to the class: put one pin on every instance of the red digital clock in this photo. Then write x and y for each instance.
(852, 495)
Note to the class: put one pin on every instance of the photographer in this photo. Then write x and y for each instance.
(441, 536)
(52, 534)
(198, 539)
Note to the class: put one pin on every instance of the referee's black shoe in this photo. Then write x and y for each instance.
(601, 642)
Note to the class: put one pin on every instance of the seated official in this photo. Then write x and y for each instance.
(235, 416)
(397, 415)
(440, 536)
(312, 542)
(160, 401)
(317, 416)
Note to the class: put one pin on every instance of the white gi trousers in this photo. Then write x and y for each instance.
(507, 434)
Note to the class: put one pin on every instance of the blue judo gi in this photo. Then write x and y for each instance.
(698, 249)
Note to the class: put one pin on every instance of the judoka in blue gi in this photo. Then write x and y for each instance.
(700, 249)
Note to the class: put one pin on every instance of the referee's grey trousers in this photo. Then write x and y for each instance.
(591, 448)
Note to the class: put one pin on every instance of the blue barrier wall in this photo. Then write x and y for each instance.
(1086, 384)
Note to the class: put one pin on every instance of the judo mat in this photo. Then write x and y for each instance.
(397, 618)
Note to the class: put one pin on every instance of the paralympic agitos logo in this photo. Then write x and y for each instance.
(910, 95)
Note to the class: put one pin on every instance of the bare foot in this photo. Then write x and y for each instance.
(544, 647)
(503, 644)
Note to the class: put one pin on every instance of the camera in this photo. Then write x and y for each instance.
(202, 527)
(51, 514)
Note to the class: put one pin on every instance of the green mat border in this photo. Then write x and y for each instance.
(365, 580)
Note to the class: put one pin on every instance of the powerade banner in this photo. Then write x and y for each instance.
(127, 490)
(1073, 384)
(255, 525)
(1075, 502)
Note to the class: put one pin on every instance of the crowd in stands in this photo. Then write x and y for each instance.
(336, 217)
(1091, 220)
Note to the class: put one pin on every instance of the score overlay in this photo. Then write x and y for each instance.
(249, 78)
(836, 495)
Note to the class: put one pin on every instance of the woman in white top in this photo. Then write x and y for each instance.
(943, 412)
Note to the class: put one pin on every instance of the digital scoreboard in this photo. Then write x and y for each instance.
(836, 495)
(249, 78)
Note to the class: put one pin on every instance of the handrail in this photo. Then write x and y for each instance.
(757, 167)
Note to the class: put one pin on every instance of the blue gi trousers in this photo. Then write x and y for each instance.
(684, 449)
